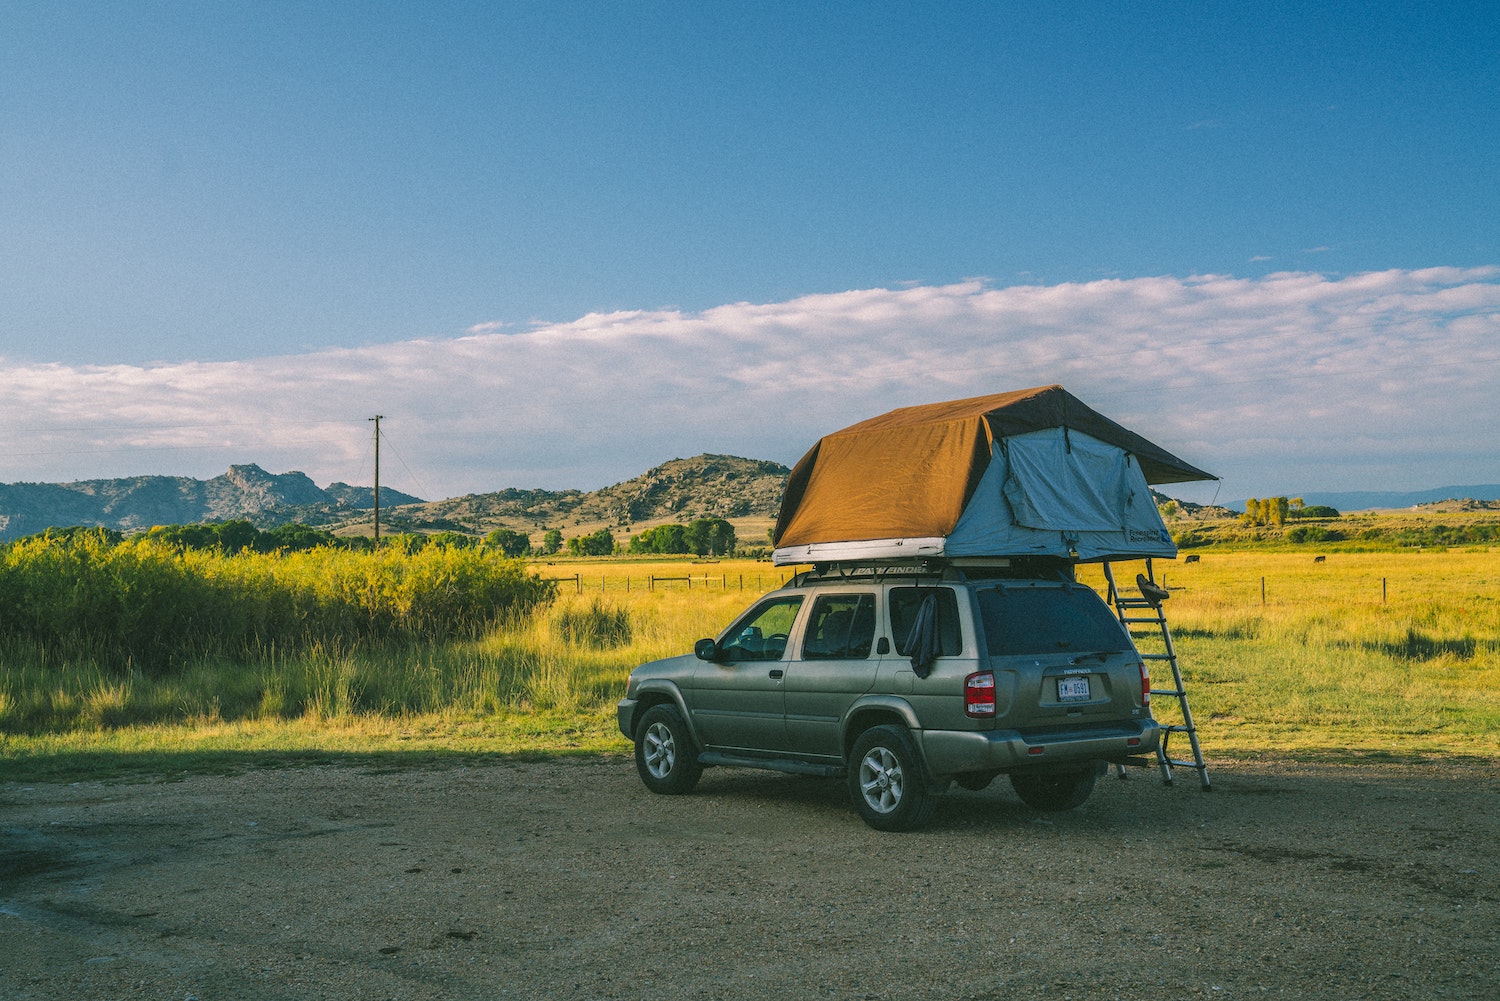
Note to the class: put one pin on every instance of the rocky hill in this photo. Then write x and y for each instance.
(135, 503)
(744, 491)
(723, 486)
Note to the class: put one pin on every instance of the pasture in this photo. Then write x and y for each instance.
(1360, 656)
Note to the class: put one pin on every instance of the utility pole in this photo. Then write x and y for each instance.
(376, 419)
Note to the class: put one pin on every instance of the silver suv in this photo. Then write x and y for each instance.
(905, 679)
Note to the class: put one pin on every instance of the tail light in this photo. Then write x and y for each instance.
(979, 695)
(1145, 685)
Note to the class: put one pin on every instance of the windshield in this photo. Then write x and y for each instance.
(1043, 618)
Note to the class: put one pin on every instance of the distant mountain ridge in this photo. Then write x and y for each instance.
(136, 503)
(1364, 500)
(722, 486)
(680, 490)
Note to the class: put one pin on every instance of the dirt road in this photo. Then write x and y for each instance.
(568, 880)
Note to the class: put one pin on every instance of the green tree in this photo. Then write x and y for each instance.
(552, 541)
(295, 538)
(600, 543)
(509, 541)
(710, 536)
(661, 539)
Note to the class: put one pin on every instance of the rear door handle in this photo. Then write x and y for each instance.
(776, 673)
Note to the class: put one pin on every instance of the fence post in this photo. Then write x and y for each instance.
(1262, 590)
(1382, 590)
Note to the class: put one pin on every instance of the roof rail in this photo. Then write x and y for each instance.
(960, 568)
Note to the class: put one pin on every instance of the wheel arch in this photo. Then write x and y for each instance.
(876, 712)
(653, 694)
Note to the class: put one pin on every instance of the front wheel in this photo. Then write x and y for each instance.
(885, 780)
(664, 756)
(1054, 791)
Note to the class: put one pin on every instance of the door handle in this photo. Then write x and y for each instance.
(776, 673)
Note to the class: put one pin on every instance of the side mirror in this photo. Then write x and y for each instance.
(707, 650)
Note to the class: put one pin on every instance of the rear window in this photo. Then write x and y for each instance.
(1031, 619)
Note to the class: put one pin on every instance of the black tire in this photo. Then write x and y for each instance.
(886, 780)
(1054, 792)
(665, 757)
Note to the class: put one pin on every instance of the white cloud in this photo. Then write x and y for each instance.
(1292, 382)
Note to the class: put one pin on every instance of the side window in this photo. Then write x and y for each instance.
(906, 602)
(761, 635)
(841, 627)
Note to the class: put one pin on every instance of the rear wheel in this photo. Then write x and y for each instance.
(664, 755)
(1054, 791)
(885, 780)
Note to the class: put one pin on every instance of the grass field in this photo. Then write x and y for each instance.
(1361, 656)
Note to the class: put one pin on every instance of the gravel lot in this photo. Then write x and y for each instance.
(567, 879)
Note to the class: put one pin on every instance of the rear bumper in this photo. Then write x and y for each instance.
(951, 752)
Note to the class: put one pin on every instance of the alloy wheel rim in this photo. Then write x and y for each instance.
(661, 750)
(881, 780)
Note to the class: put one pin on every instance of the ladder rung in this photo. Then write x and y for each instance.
(1188, 764)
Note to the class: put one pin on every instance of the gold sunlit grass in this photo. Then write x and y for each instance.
(1366, 653)
(1363, 656)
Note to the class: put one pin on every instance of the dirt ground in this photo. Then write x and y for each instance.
(567, 879)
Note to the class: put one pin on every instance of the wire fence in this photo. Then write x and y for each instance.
(652, 582)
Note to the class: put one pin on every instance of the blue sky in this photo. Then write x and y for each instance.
(556, 244)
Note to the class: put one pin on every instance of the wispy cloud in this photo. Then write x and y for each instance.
(1291, 382)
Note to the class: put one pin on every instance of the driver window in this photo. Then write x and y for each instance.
(762, 634)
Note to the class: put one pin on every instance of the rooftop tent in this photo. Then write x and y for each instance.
(1032, 472)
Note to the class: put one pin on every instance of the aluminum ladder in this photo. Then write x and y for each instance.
(1146, 613)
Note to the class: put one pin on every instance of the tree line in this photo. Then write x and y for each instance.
(700, 537)
(1277, 511)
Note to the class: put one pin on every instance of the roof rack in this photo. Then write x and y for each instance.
(956, 568)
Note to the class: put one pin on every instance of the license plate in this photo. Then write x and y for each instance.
(1072, 689)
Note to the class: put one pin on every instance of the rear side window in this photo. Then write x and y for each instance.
(1037, 620)
(905, 602)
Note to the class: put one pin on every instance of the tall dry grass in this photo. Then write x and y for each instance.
(1327, 664)
(1394, 653)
